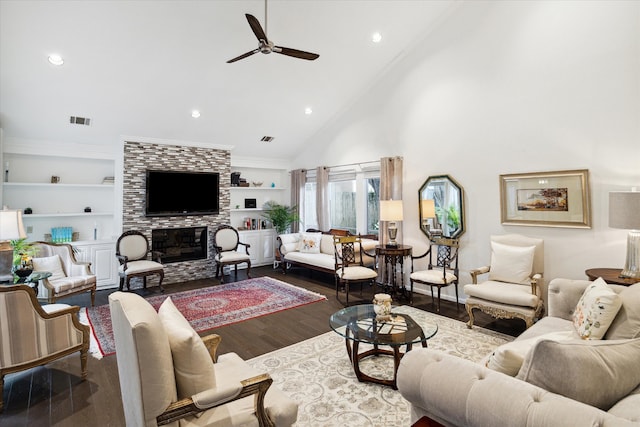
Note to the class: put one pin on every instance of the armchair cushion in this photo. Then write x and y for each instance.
(52, 264)
(134, 267)
(598, 373)
(310, 243)
(511, 264)
(434, 276)
(191, 361)
(506, 293)
(596, 310)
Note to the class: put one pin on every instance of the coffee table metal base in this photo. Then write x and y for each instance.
(355, 358)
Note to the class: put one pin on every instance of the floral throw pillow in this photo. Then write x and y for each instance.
(310, 243)
(596, 310)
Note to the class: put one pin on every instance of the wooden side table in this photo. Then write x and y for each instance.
(391, 256)
(610, 275)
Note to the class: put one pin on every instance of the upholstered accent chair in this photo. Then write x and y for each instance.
(168, 373)
(442, 270)
(32, 335)
(132, 252)
(515, 279)
(225, 246)
(349, 265)
(68, 275)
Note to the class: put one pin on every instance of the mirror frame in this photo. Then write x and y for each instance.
(433, 235)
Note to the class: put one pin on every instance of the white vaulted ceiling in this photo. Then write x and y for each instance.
(140, 68)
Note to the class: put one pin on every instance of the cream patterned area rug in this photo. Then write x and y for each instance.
(317, 374)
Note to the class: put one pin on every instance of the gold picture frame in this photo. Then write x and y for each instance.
(546, 199)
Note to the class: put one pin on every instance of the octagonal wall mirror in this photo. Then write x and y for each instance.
(441, 204)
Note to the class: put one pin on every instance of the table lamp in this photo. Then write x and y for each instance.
(391, 211)
(624, 212)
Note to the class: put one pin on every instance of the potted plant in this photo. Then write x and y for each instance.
(281, 216)
(23, 252)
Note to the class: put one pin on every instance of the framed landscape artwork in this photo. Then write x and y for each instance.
(546, 199)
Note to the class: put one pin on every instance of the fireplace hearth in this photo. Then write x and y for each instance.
(180, 244)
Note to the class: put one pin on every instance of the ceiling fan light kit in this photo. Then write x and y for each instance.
(266, 46)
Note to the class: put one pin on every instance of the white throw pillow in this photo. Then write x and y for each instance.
(508, 357)
(192, 363)
(511, 264)
(595, 310)
(52, 264)
(310, 243)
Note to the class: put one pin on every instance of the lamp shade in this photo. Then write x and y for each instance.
(624, 210)
(428, 207)
(11, 227)
(390, 210)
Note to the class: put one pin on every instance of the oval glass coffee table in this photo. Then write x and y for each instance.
(358, 325)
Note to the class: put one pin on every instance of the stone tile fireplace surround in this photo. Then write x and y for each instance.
(138, 157)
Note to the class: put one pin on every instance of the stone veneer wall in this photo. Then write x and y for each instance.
(138, 157)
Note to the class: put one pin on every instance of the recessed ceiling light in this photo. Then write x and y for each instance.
(308, 111)
(376, 37)
(56, 59)
(195, 114)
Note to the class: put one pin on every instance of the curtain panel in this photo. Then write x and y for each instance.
(322, 198)
(298, 180)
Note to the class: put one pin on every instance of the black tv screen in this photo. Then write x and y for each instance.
(182, 193)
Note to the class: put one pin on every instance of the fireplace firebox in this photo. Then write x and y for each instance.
(180, 244)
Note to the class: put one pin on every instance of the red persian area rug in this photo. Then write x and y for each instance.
(215, 306)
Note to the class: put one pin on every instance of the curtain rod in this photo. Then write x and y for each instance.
(347, 164)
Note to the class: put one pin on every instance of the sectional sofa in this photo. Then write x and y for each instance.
(560, 380)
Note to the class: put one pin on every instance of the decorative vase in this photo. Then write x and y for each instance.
(382, 306)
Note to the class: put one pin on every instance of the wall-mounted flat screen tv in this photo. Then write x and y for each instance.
(182, 193)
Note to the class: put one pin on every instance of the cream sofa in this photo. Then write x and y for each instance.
(457, 392)
(323, 259)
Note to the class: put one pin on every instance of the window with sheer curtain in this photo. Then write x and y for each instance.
(353, 201)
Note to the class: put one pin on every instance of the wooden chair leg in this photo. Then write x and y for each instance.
(248, 269)
(121, 284)
(439, 299)
(93, 297)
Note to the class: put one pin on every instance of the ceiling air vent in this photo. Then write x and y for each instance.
(267, 138)
(79, 120)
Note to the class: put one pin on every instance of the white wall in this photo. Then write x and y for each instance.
(508, 87)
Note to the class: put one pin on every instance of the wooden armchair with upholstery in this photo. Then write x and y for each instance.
(68, 275)
(349, 265)
(132, 252)
(32, 335)
(226, 241)
(515, 279)
(168, 373)
(442, 270)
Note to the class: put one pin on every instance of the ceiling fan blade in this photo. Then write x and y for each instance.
(256, 27)
(296, 53)
(244, 55)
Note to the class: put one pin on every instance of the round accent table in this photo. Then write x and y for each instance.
(610, 275)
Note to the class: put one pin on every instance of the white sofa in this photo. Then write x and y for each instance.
(324, 258)
(457, 392)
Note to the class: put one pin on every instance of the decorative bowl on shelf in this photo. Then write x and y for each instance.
(257, 183)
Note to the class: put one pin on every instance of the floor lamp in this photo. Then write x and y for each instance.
(391, 211)
(11, 228)
(624, 212)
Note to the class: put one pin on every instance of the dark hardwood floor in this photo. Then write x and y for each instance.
(54, 395)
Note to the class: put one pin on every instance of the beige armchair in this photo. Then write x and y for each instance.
(132, 252)
(169, 373)
(68, 275)
(515, 279)
(31, 335)
(225, 246)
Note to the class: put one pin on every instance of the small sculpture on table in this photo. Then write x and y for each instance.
(382, 306)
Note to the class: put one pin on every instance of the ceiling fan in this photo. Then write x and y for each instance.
(267, 46)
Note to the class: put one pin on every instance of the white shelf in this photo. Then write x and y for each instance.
(248, 210)
(68, 214)
(256, 188)
(49, 185)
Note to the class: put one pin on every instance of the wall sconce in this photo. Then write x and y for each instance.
(624, 212)
(391, 211)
